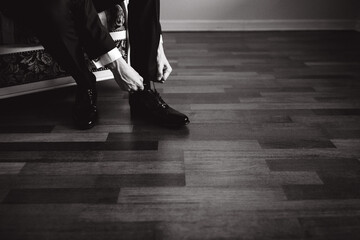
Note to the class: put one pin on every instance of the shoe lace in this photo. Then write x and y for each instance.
(91, 95)
(160, 101)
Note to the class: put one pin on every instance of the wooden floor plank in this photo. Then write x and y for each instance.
(90, 181)
(11, 168)
(103, 168)
(54, 137)
(59, 195)
(77, 146)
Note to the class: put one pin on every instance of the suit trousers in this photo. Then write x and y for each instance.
(69, 28)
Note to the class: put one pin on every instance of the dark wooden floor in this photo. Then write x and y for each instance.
(273, 150)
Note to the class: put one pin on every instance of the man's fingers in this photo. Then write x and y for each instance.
(160, 71)
(167, 71)
(140, 84)
(125, 76)
(136, 84)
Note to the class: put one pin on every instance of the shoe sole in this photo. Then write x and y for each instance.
(139, 115)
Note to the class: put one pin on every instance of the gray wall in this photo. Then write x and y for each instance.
(187, 12)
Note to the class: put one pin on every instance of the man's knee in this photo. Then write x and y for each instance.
(58, 15)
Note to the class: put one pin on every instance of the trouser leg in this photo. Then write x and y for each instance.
(144, 34)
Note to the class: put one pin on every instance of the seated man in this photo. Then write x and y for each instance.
(68, 28)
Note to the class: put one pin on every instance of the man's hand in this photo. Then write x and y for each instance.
(125, 76)
(164, 68)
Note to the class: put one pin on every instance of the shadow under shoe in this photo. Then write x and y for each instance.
(149, 106)
(85, 112)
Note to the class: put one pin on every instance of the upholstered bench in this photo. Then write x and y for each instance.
(25, 66)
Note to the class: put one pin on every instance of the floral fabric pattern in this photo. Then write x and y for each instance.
(26, 67)
(35, 66)
(116, 18)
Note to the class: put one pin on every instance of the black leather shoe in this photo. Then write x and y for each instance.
(85, 112)
(148, 105)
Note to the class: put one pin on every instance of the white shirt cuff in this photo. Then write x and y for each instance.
(107, 58)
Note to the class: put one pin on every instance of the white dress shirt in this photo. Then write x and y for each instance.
(111, 56)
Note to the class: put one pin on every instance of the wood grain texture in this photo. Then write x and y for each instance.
(59, 195)
(77, 146)
(53, 137)
(272, 151)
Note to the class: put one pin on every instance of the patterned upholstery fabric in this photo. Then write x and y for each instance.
(38, 65)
